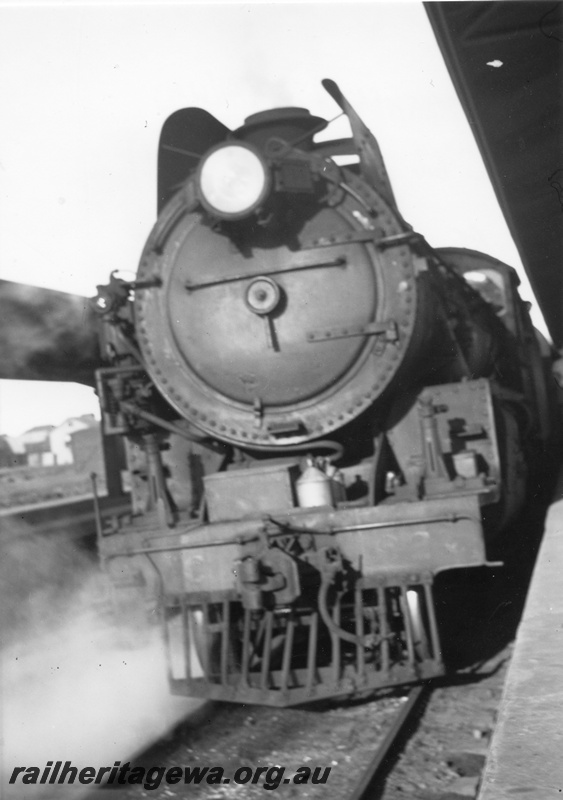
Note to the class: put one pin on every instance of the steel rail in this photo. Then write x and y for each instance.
(378, 764)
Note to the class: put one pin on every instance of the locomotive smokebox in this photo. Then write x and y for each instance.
(265, 343)
(278, 325)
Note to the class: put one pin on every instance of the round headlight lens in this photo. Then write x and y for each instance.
(233, 180)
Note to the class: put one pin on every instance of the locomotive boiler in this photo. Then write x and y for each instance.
(319, 411)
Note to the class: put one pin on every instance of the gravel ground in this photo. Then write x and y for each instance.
(445, 756)
(341, 738)
(442, 759)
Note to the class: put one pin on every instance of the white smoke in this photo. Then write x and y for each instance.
(69, 691)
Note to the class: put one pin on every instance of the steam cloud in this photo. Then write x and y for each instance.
(69, 691)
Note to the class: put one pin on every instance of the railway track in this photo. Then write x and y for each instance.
(429, 744)
(419, 746)
(262, 749)
(374, 773)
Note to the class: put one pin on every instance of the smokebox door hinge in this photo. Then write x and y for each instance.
(387, 329)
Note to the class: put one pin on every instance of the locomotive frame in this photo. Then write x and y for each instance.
(318, 409)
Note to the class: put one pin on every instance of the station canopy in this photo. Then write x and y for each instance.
(505, 59)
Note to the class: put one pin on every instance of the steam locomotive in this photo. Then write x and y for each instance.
(320, 412)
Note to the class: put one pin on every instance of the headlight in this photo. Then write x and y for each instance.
(233, 180)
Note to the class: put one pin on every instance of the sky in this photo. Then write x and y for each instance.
(85, 89)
